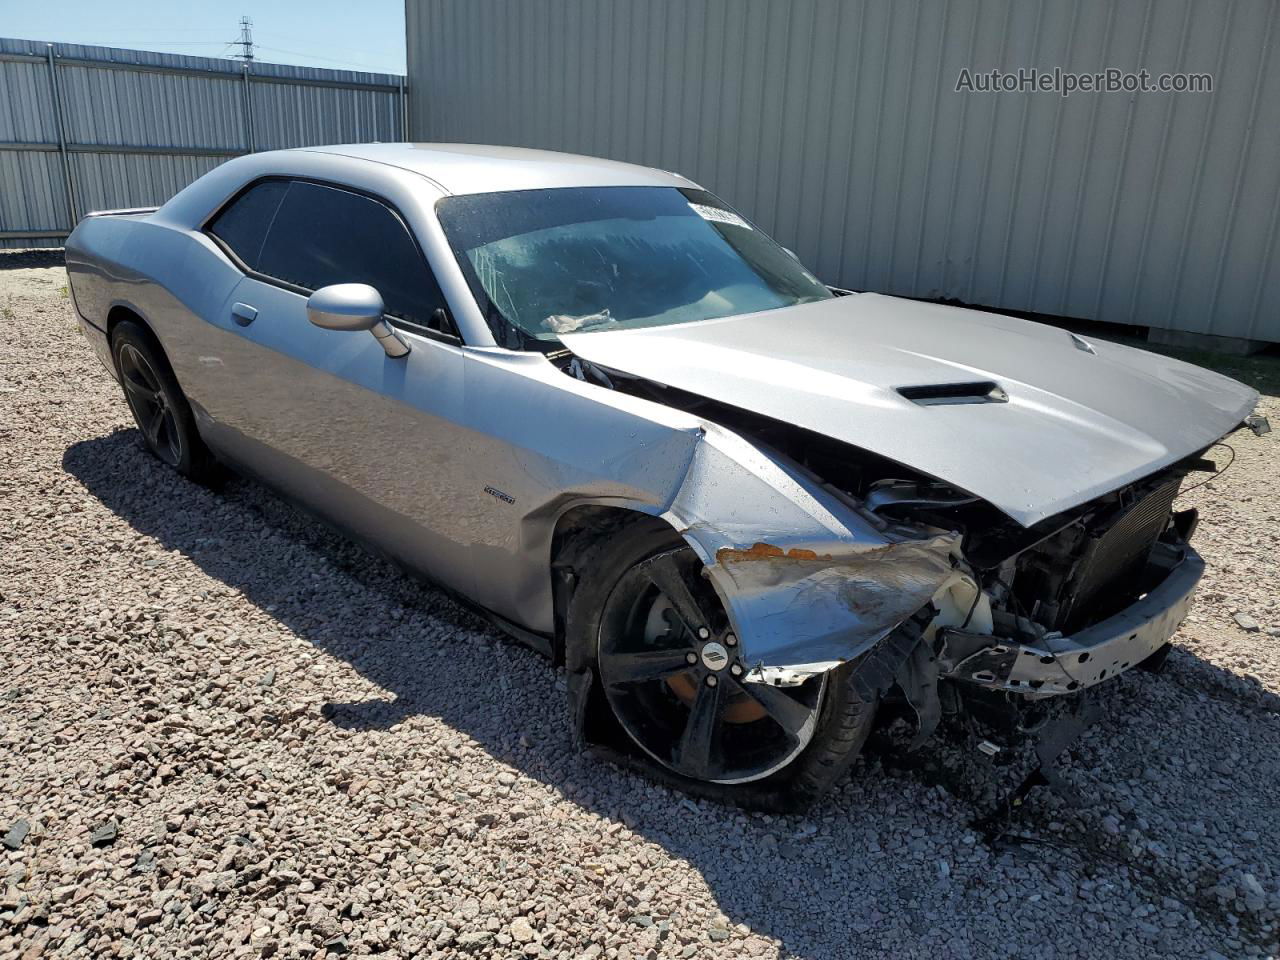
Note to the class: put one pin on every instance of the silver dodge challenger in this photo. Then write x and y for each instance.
(744, 509)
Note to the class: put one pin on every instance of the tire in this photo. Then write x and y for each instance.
(159, 407)
(756, 762)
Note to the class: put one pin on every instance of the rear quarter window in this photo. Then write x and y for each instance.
(243, 224)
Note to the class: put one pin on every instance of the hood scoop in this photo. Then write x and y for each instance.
(939, 394)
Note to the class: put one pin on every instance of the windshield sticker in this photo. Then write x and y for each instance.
(717, 215)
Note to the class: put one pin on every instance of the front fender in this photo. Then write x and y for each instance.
(808, 579)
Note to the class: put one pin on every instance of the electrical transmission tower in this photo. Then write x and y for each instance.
(245, 43)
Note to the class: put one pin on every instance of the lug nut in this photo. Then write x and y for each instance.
(736, 669)
(703, 633)
(712, 681)
(691, 658)
(730, 640)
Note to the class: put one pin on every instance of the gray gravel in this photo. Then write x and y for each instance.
(227, 732)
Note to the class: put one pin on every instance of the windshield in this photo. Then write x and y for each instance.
(546, 262)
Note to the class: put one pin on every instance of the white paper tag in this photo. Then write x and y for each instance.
(718, 215)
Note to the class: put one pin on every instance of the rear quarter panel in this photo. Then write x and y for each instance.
(169, 276)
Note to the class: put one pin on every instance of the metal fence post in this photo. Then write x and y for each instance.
(72, 206)
(248, 111)
(404, 113)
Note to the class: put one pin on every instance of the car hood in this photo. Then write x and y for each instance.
(1082, 416)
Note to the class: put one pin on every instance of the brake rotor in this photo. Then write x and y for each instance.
(741, 709)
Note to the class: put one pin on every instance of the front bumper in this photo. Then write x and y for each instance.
(1058, 664)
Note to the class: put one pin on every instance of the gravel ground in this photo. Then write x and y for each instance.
(226, 732)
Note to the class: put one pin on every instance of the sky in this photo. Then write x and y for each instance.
(339, 34)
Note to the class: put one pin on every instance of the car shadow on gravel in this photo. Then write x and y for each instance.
(890, 836)
(29, 259)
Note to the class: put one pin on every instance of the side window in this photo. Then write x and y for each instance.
(243, 225)
(323, 235)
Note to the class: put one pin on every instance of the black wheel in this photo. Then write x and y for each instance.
(157, 403)
(671, 672)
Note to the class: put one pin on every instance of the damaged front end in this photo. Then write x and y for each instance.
(809, 577)
(958, 613)
(1001, 612)
(1102, 592)
(828, 558)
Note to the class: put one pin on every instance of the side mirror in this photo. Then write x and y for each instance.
(354, 306)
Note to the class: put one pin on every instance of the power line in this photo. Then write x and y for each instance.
(301, 53)
(142, 44)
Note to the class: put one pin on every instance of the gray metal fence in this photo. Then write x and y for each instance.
(89, 128)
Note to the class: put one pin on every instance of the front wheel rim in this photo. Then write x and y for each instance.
(673, 673)
(150, 405)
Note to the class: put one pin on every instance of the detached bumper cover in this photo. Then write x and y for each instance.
(1066, 664)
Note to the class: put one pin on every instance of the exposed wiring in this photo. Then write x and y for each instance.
(977, 594)
(1057, 661)
(1089, 851)
(1215, 476)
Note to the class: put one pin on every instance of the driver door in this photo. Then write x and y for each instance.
(373, 443)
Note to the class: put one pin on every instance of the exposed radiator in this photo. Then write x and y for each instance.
(1112, 557)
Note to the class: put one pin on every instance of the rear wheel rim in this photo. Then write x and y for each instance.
(674, 676)
(150, 404)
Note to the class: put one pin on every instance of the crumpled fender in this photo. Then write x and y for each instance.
(808, 580)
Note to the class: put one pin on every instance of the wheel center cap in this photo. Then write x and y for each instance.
(715, 656)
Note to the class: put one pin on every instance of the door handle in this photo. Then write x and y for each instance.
(244, 314)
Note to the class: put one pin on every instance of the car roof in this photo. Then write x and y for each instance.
(480, 168)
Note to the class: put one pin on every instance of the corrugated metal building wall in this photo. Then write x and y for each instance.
(837, 126)
(139, 126)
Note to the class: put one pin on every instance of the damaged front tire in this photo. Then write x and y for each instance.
(666, 672)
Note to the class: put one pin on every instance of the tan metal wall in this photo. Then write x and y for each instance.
(836, 125)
